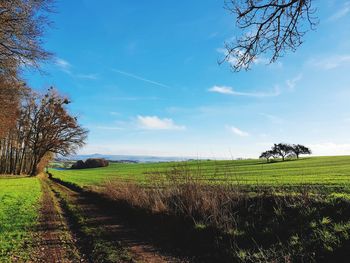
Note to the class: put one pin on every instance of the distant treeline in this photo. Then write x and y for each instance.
(284, 150)
(90, 163)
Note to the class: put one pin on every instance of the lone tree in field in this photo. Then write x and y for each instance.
(270, 27)
(267, 155)
(300, 149)
(283, 150)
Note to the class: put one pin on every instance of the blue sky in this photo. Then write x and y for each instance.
(144, 79)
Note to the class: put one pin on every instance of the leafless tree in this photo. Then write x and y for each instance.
(269, 27)
(43, 128)
(22, 24)
(11, 91)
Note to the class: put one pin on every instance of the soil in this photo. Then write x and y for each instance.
(54, 242)
(61, 240)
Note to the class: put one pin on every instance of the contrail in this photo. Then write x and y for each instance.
(141, 78)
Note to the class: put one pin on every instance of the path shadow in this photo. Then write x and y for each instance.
(157, 237)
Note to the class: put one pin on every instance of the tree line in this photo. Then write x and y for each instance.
(284, 150)
(43, 128)
(33, 127)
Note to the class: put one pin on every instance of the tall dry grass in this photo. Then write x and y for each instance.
(183, 192)
(259, 223)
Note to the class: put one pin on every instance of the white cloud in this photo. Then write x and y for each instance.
(291, 83)
(222, 90)
(330, 148)
(331, 62)
(64, 65)
(238, 131)
(230, 91)
(341, 13)
(156, 123)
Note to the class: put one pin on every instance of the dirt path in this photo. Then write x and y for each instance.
(54, 240)
(100, 234)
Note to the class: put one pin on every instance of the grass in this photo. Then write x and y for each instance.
(262, 226)
(19, 204)
(294, 211)
(322, 171)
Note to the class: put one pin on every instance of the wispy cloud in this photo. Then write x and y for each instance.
(273, 118)
(156, 123)
(341, 12)
(131, 75)
(291, 83)
(230, 91)
(238, 131)
(331, 62)
(63, 65)
(222, 90)
(66, 67)
(88, 76)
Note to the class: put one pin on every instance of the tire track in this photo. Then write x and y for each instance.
(102, 234)
(54, 240)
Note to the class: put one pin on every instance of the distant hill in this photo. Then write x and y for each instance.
(132, 158)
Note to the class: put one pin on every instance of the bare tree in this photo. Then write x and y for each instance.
(11, 91)
(44, 128)
(22, 24)
(269, 27)
(55, 130)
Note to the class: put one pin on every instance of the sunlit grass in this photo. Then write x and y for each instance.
(325, 171)
(19, 202)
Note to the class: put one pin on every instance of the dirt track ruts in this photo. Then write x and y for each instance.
(54, 242)
(110, 228)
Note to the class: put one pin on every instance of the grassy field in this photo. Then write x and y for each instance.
(19, 203)
(325, 171)
(290, 222)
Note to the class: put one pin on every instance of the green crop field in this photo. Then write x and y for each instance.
(325, 171)
(19, 202)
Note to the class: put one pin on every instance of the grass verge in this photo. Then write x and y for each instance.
(19, 211)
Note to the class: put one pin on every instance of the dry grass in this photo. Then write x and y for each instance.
(182, 192)
(259, 224)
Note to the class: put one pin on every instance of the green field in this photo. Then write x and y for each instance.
(19, 203)
(323, 171)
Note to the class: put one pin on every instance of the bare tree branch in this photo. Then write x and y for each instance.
(269, 27)
(22, 26)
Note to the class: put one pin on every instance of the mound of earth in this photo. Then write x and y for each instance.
(90, 163)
